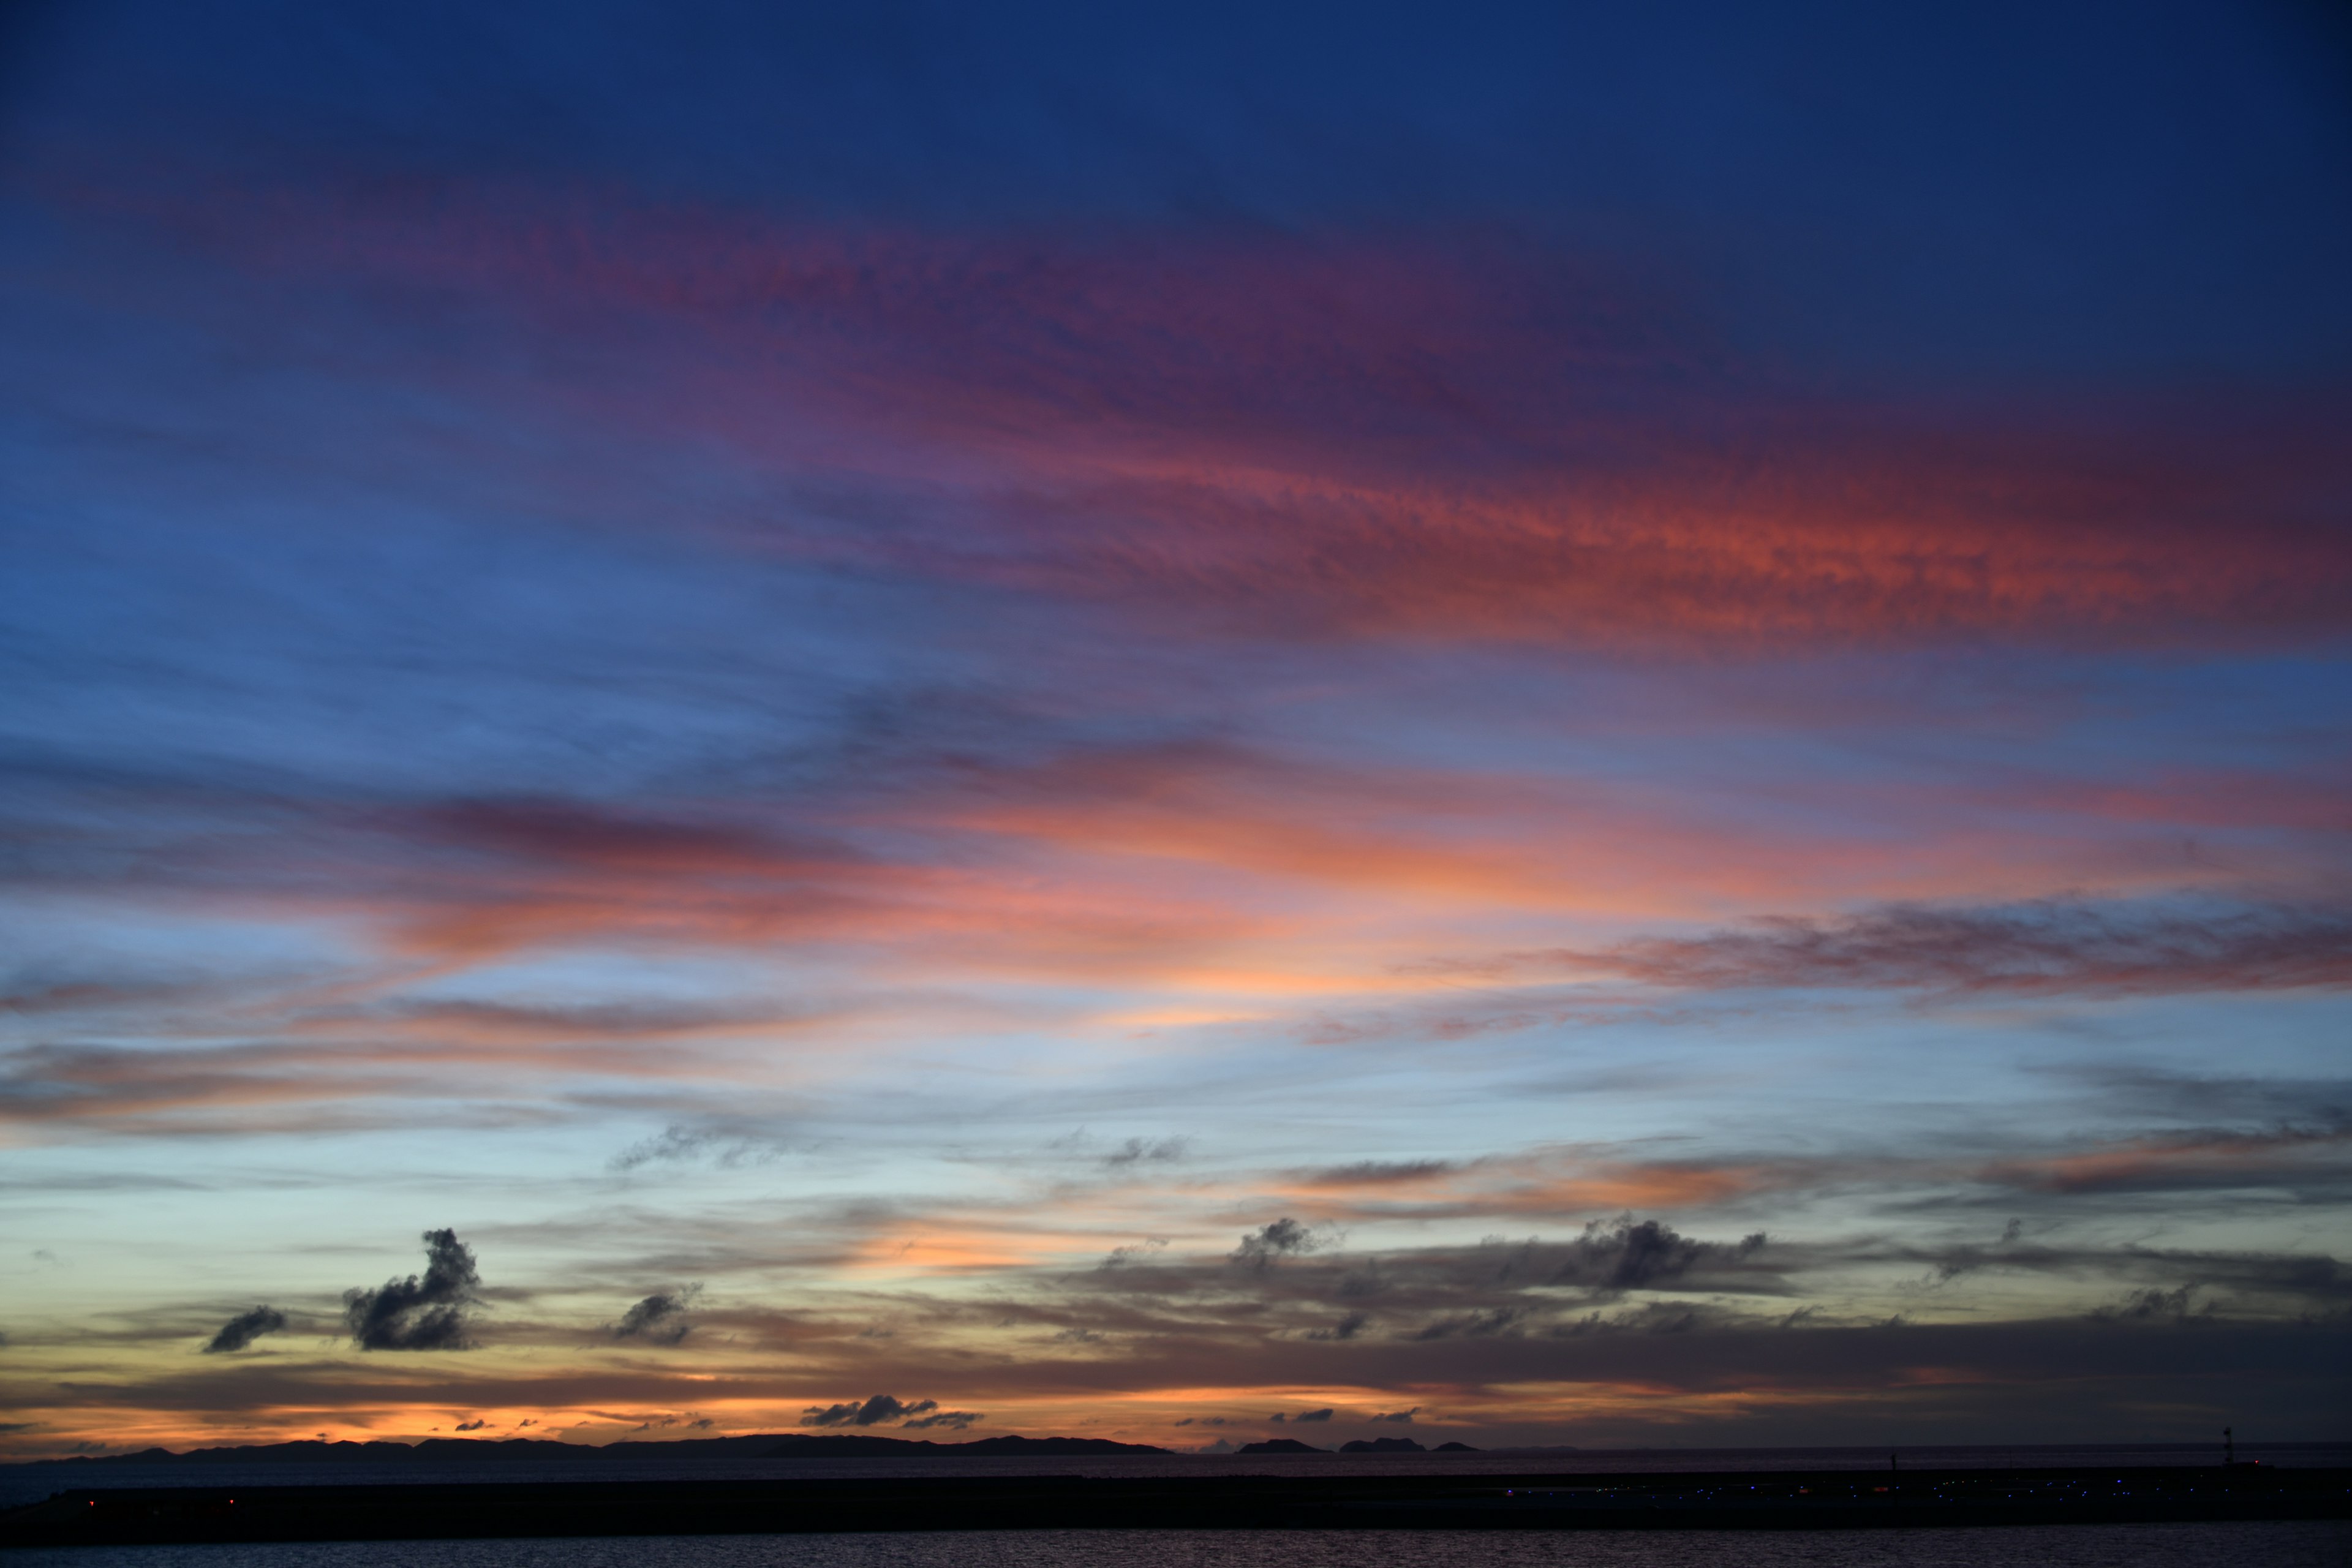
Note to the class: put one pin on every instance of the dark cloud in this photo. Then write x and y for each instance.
(660, 1318)
(1323, 1414)
(34, 994)
(954, 1420)
(881, 1407)
(1375, 1173)
(1285, 1238)
(726, 1148)
(1632, 1278)
(1119, 1256)
(244, 1329)
(1137, 1149)
(1481, 1325)
(2202, 1099)
(474, 1425)
(1326, 1296)
(2055, 946)
(1626, 1254)
(2308, 1159)
(2249, 1283)
(279, 1086)
(2143, 1305)
(431, 1314)
(1400, 1418)
(2064, 1373)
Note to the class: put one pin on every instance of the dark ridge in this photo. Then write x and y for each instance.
(761, 1446)
(1280, 1446)
(1383, 1446)
(1453, 1448)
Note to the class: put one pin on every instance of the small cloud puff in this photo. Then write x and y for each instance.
(882, 1407)
(244, 1329)
(660, 1318)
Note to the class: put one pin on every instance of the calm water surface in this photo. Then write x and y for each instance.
(2301, 1545)
(24, 1483)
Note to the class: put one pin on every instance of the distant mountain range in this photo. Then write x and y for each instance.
(767, 1445)
(1361, 1446)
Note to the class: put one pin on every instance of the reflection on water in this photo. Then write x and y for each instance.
(2286, 1545)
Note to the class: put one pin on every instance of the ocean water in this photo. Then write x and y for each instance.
(2285, 1545)
(23, 1483)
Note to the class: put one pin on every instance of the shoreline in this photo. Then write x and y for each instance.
(1733, 1501)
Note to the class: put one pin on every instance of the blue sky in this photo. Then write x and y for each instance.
(1139, 721)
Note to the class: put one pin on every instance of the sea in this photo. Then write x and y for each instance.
(2327, 1544)
(2319, 1544)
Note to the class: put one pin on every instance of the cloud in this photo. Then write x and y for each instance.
(2307, 1158)
(677, 1143)
(1377, 1173)
(1346, 1329)
(1627, 1255)
(881, 1407)
(1136, 1149)
(1498, 1320)
(954, 1420)
(1323, 1414)
(1316, 436)
(474, 1425)
(431, 1314)
(660, 1318)
(2144, 1305)
(1285, 1238)
(1400, 1418)
(244, 1329)
(1121, 1256)
(2054, 946)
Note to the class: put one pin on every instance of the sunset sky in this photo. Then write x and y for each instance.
(1562, 724)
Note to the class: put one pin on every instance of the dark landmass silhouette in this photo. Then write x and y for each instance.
(1280, 1446)
(1384, 1445)
(1454, 1448)
(763, 1445)
(1386, 1497)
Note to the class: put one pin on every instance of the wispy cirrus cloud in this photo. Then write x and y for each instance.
(2313, 1157)
(1346, 435)
(2054, 946)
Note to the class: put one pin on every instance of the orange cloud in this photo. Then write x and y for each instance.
(1545, 1182)
(2171, 1163)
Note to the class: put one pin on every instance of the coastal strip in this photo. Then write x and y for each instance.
(1729, 1500)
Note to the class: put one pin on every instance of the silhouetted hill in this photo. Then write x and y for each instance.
(493, 1450)
(1383, 1446)
(1280, 1446)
